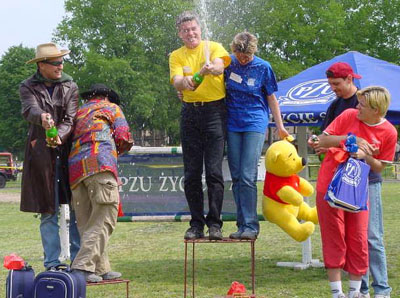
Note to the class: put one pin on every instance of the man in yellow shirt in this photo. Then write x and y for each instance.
(203, 122)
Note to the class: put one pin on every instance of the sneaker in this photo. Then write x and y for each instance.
(248, 235)
(214, 233)
(89, 276)
(342, 296)
(379, 296)
(356, 295)
(111, 275)
(366, 295)
(194, 233)
(236, 235)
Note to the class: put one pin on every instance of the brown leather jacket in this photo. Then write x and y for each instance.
(38, 177)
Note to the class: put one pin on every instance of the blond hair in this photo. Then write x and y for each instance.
(376, 97)
(245, 43)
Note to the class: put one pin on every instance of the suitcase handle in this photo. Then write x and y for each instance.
(62, 267)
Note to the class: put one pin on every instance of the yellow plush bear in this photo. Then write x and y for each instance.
(283, 202)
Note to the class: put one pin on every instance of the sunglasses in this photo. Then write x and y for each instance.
(54, 63)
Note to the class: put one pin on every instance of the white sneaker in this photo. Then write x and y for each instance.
(342, 296)
(365, 295)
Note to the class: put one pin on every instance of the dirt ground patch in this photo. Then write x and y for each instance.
(9, 197)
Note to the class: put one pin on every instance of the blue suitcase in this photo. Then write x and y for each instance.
(60, 282)
(19, 283)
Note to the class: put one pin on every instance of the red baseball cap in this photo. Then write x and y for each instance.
(342, 70)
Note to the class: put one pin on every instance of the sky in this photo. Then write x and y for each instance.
(28, 22)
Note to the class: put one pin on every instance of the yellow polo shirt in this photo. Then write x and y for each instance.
(186, 62)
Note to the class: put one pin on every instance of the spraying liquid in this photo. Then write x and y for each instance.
(197, 77)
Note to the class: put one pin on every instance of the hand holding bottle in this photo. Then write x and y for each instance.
(52, 138)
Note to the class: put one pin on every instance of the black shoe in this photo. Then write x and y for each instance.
(214, 233)
(249, 235)
(194, 233)
(236, 235)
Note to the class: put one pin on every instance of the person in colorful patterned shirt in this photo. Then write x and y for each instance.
(101, 134)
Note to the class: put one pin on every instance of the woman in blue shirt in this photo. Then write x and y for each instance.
(250, 86)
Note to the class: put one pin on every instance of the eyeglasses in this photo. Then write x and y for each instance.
(54, 63)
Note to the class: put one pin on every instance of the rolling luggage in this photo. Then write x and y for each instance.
(59, 282)
(19, 283)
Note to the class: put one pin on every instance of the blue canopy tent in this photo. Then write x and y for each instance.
(305, 97)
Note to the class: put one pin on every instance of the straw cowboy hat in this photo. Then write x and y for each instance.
(47, 51)
(101, 89)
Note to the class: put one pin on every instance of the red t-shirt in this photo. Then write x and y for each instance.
(383, 135)
(274, 183)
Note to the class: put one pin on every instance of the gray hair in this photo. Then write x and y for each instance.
(186, 16)
(245, 43)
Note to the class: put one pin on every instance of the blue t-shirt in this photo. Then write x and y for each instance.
(247, 88)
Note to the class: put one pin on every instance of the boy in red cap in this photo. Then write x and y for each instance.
(341, 79)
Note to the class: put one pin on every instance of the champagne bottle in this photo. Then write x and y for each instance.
(198, 78)
(321, 157)
(52, 132)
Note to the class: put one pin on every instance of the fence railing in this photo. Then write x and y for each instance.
(390, 172)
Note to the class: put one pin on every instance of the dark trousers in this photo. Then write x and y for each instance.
(203, 131)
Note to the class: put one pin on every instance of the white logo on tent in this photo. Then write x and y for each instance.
(307, 93)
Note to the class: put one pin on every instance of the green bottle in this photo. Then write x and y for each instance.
(198, 78)
(52, 132)
(321, 157)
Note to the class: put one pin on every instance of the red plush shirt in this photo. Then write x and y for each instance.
(274, 183)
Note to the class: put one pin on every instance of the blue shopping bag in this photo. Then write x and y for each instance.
(348, 189)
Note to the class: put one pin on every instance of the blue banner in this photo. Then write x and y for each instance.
(153, 185)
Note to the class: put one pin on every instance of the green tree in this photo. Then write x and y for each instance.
(13, 70)
(373, 28)
(126, 44)
(294, 35)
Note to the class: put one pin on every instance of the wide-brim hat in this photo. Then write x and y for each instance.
(101, 89)
(47, 51)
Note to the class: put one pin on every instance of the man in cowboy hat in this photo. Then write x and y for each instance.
(101, 134)
(49, 98)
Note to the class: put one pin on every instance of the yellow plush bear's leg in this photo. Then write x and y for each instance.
(285, 217)
(307, 213)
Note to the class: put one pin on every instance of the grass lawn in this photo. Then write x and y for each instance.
(151, 255)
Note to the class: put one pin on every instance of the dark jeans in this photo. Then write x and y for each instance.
(203, 131)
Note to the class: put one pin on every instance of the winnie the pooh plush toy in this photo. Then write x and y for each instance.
(283, 202)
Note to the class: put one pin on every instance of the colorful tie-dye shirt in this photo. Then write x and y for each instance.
(101, 133)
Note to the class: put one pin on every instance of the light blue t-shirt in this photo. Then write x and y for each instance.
(247, 87)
